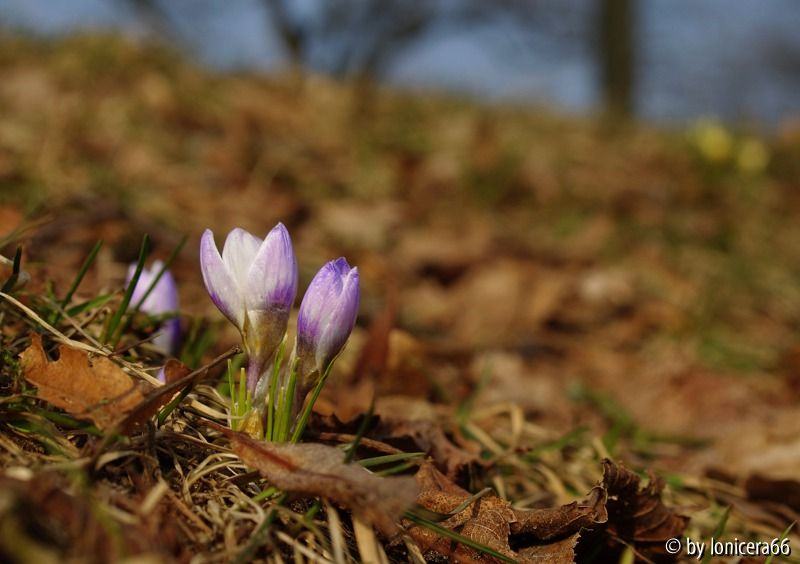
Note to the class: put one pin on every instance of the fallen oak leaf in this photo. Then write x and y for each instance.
(319, 470)
(557, 522)
(95, 389)
(638, 515)
(558, 552)
(99, 390)
(492, 521)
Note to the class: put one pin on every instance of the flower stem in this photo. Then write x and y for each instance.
(273, 390)
(306, 415)
(254, 366)
(287, 401)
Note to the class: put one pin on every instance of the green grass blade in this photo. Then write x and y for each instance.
(170, 407)
(259, 534)
(273, 389)
(231, 395)
(197, 344)
(783, 537)
(99, 301)
(718, 530)
(439, 530)
(132, 311)
(15, 270)
(362, 429)
(87, 263)
(301, 424)
(572, 437)
(265, 494)
(285, 407)
(167, 263)
(389, 458)
(395, 469)
(111, 337)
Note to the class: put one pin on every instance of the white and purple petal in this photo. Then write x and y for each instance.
(162, 299)
(272, 278)
(238, 254)
(219, 281)
(327, 315)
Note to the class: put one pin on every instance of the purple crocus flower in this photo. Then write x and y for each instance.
(327, 315)
(162, 299)
(253, 283)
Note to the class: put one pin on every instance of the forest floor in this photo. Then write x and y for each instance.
(539, 293)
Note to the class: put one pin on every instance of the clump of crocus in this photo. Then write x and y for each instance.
(159, 300)
(253, 283)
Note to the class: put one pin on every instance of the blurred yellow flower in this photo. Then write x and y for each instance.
(752, 157)
(713, 141)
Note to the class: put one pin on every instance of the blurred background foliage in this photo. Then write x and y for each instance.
(555, 217)
(663, 61)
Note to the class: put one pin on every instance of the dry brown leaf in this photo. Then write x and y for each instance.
(547, 524)
(636, 515)
(404, 417)
(491, 521)
(375, 351)
(44, 520)
(762, 488)
(88, 388)
(430, 437)
(485, 521)
(559, 552)
(174, 370)
(320, 470)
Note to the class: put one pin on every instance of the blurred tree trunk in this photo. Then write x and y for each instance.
(617, 56)
(293, 38)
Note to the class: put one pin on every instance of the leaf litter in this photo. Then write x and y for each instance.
(319, 470)
(617, 509)
(95, 389)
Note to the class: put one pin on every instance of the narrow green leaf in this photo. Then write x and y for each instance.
(395, 469)
(265, 494)
(15, 269)
(781, 539)
(257, 538)
(301, 424)
(167, 263)
(170, 407)
(273, 389)
(87, 263)
(438, 529)
(389, 458)
(111, 337)
(285, 406)
(718, 530)
(362, 429)
(232, 396)
(98, 301)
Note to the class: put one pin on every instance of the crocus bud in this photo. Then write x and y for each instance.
(253, 283)
(326, 318)
(163, 299)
